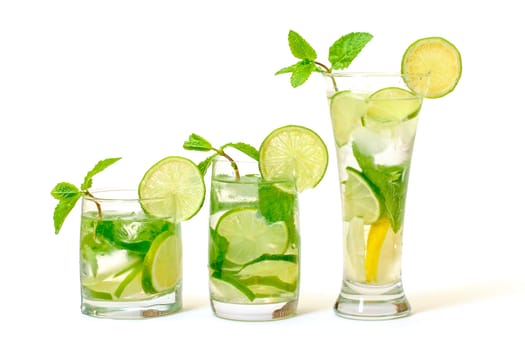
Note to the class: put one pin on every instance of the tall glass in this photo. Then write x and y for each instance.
(130, 261)
(374, 119)
(253, 244)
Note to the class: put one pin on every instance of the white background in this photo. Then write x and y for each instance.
(85, 80)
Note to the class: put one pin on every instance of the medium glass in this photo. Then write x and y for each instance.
(130, 262)
(253, 244)
(374, 133)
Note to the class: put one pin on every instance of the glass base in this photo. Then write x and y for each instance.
(372, 302)
(254, 312)
(163, 305)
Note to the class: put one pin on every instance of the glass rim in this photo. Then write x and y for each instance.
(102, 194)
(373, 74)
(254, 164)
(221, 159)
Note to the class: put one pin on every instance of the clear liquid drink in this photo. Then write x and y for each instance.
(253, 244)
(130, 262)
(374, 120)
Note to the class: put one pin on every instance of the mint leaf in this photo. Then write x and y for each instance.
(101, 165)
(276, 205)
(68, 194)
(63, 208)
(274, 257)
(64, 190)
(205, 164)
(341, 54)
(197, 143)
(126, 234)
(300, 47)
(289, 69)
(245, 148)
(114, 233)
(392, 182)
(302, 72)
(346, 48)
(217, 254)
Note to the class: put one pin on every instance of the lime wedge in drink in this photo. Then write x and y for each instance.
(355, 246)
(249, 235)
(294, 152)
(270, 277)
(230, 290)
(162, 268)
(102, 291)
(347, 110)
(435, 57)
(132, 289)
(268, 289)
(393, 105)
(286, 271)
(360, 198)
(109, 285)
(179, 181)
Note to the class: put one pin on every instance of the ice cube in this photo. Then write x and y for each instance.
(370, 141)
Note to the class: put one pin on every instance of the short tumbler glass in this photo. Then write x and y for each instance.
(253, 244)
(130, 261)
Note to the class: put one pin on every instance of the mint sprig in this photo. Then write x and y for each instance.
(100, 166)
(198, 143)
(340, 55)
(392, 182)
(68, 194)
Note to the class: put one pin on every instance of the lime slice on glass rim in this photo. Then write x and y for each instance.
(294, 152)
(360, 199)
(393, 105)
(162, 269)
(250, 235)
(178, 180)
(347, 110)
(436, 57)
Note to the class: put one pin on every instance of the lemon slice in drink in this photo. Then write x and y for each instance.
(179, 181)
(436, 57)
(360, 199)
(162, 264)
(374, 246)
(346, 109)
(250, 235)
(393, 105)
(294, 152)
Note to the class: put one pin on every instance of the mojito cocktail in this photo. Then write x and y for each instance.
(130, 261)
(374, 120)
(253, 244)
